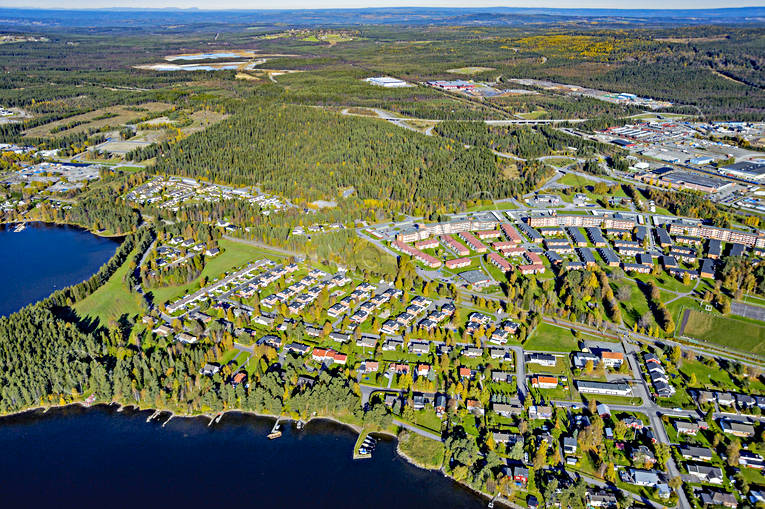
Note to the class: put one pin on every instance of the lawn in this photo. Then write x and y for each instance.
(753, 299)
(428, 419)
(470, 70)
(665, 281)
(706, 376)
(551, 338)
(560, 368)
(570, 179)
(235, 254)
(739, 334)
(228, 356)
(634, 307)
(425, 452)
(112, 300)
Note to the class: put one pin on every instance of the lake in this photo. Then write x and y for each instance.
(45, 257)
(76, 457)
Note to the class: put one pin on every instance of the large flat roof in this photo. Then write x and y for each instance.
(749, 167)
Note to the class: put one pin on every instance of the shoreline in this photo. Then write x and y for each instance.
(212, 419)
(112, 236)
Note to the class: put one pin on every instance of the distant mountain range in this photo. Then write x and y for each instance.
(495, 16)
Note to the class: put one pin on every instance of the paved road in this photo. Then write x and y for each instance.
(417, 430)
(261, 245)
(520, 370)
(368, 390)
(602, 484)
(696, 347)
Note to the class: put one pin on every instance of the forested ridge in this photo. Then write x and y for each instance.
(309, 153)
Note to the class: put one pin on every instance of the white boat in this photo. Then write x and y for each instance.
(20, 227)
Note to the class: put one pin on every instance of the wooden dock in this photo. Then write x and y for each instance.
(276, 431)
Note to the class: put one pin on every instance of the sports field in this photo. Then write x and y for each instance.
(738, 334)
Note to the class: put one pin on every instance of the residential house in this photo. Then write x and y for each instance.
(209, 369)
(506, 410)
(542, 359)
(718, 498)
(725, 399)
(749, 459)
(501, 377)
(369, 366)
(419, 347)
(544, 382)
(540, 412)
(474, 407)
(705, 473)
(600, 499)
(686, 428)
(640, 477)
(611, 359)
(569, 445)
(642, 455)
(692, 452)
(369, 341)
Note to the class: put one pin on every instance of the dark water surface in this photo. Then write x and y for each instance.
(43, 258)
(103, 459)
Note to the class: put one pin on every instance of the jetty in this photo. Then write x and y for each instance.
(365, 444)
(215, 419)
(276, 431)
(152, 416)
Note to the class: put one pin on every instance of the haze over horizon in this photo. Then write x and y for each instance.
(350, 4)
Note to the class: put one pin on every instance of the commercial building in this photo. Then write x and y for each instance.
(745, 170)
(476, 278)
(686, 180)
(387, 82)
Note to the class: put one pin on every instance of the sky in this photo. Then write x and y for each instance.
(326, 4)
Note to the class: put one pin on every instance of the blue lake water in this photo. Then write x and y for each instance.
(203, 56)
(43, 258)
(87, 458)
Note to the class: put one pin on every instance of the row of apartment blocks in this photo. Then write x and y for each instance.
(752, 239)
(424, 231)
(426, 259)
(615, 222)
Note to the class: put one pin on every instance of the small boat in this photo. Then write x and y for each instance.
(300, 425)
(20, 227)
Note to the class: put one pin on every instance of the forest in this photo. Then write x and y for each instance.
(326, 152)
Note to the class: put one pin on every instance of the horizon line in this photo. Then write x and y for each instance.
(398, 7)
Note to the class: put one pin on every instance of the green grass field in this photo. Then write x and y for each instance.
(634, 307)
(738, 334)
(569, 179)
(707, 376)
(112, 300)
(550, 338)
(425, 452)
(234, 254)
